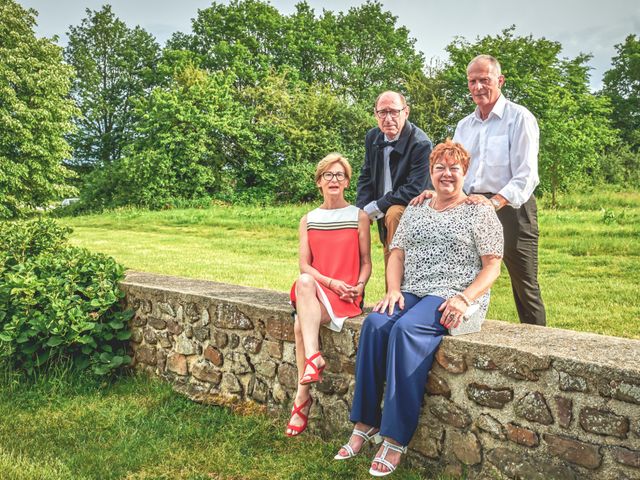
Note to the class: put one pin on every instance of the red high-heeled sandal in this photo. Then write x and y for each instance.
(297, 410)
(316, 375)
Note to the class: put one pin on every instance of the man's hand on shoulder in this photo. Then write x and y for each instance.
(419, 200)
(496, 202)
(475, 199)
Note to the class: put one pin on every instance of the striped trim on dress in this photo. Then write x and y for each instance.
(331, 226)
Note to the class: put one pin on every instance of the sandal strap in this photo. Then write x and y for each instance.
(390, 446)
(386, 463)
(297, 409)
(386, 446)
(349, 450)
(316, 371)
(309, 362)
(296, 428)
(366, 436)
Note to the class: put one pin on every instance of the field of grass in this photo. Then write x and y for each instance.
(589, 254)
(66, 427)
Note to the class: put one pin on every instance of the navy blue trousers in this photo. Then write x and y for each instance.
(398, 348)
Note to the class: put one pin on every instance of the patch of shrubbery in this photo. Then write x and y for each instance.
(621, 166)
(59, 302)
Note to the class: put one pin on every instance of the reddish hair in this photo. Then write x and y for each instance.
(450, 150)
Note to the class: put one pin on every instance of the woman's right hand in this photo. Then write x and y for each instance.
(389, 301)
(340, 288)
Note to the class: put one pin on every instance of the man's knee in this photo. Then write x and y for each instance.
(393, 215)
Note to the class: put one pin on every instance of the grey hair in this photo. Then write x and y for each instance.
(488, 58)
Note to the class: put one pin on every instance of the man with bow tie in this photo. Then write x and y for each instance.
(396, 166)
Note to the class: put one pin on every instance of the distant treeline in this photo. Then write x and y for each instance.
(242, 107)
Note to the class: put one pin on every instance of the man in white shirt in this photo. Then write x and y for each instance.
(503, 139)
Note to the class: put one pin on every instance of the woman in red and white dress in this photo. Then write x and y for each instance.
(335, 265)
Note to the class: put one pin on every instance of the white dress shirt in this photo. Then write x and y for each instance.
(371, 208)
(504, 151)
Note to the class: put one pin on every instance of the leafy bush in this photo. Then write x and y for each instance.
(621, 166)
(58, 302)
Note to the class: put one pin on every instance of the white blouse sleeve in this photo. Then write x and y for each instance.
(487, 232)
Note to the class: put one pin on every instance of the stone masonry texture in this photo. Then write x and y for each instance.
(513, 401)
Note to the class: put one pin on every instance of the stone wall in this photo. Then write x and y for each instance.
(513, 401)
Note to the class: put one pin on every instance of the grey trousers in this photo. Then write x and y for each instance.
(520, 227)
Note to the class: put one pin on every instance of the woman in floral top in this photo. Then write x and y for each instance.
(444, 258)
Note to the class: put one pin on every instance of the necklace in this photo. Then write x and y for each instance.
(450, 206)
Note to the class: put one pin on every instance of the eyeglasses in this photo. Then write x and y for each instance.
(329, 176)
(392, 112)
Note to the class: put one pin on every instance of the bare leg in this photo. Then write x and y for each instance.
(311, 314)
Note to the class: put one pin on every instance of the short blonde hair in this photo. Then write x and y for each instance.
(450, 150)
(326, 162)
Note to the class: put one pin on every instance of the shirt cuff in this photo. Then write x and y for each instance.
(513, 199)
(373, 211)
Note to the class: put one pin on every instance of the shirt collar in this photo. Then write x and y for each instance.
(497, 110)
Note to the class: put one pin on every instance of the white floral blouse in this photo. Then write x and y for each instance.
(442, 250)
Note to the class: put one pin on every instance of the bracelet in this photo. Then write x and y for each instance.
(330, 280)
(464, 298)
(360, 283)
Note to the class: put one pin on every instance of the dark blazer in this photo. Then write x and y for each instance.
(409, 164)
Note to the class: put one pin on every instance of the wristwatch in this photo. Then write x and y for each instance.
(495, 202)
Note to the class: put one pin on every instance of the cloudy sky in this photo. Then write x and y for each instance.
(581, 26)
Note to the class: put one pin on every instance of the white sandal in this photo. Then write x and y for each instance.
(366, 436)
(383, 459)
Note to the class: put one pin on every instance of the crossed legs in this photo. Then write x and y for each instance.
(311, 314)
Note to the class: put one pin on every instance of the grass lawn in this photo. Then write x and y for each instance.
(66, 427)
(589, 254)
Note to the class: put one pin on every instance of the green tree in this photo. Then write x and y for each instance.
(427, 95)
(311, 48)
(574, 124)
(188, 133)
(358, 53)
(374, 54)
(296, 125)
(622, 86)
(114, 64)
(35, 114)
(245, 37)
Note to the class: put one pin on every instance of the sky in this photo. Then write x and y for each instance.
(581, 26)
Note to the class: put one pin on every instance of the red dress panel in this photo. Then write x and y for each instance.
(335, 252)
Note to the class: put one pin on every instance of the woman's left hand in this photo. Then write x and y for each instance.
(453, 309)
(352, 293)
